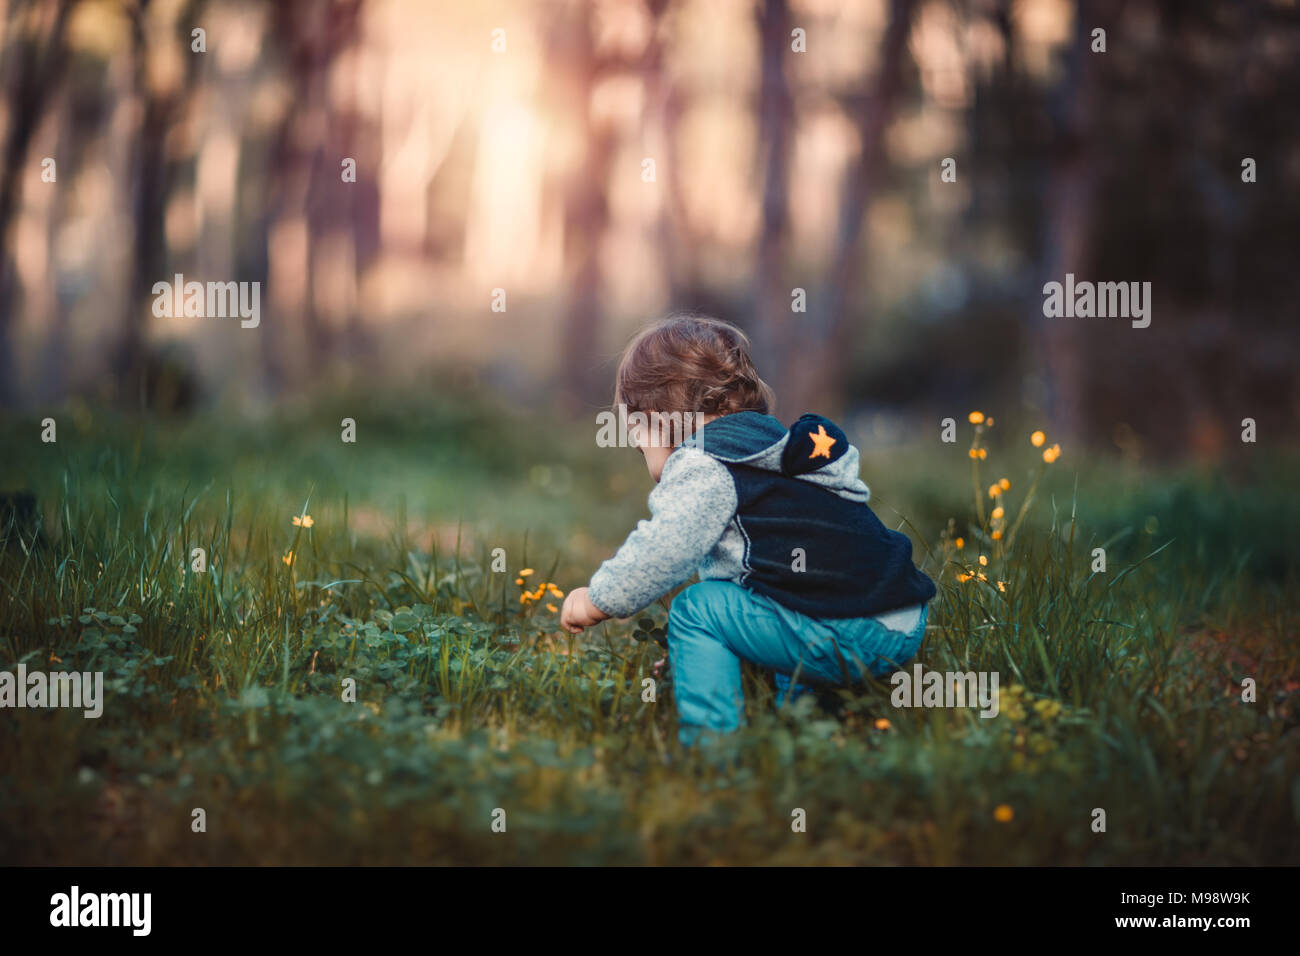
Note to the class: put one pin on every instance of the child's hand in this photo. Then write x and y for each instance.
(578, 612)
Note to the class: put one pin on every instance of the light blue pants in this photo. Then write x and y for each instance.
(714, 624)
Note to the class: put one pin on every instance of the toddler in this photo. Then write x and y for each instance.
(796, 572)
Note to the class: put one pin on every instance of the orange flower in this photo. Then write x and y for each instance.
(882, 724)
(963, 578)
(984, 561)
(1004, 484)
(1004, 814)
(976, 417)
(303, 522)
(525, 572)
(552, 608)
(1051, 454)
(998, 512)
(1037, 439)
(1002, 586)
(288, 559)
(995, 490)
(960, 542)
(997, 535)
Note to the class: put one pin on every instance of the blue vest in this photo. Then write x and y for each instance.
(852, 565)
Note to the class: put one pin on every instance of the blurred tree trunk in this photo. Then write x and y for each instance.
(306, 175)
(1067, 236)
(663, 113)
(161, 108)
(819, 360)
(36, 73)
(586, 218)
(361, 211)
(775, 333)
(55, 350)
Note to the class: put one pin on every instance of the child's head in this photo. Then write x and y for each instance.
(688, 364)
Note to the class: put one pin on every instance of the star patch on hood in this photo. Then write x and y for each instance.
(814, 442)
(814, 449)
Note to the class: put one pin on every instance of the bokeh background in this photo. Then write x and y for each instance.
(503, 145)
(593, 165)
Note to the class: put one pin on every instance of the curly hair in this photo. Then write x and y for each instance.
(689, 362)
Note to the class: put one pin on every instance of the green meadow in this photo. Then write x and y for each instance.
(1161, 691)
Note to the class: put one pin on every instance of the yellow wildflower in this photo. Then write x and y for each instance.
(1004, 484)
(554, 590)
(982, 577)
(525, 572)
(552, 608)
(519, 580)
(963, 578)
(960, 542)
(989, 421)
(1051, 454)
(984, 561)
(998, 512)
(1003, 814)
(1002, 586)
(882, 723)
(995, 490)
(288, 559)
(997, 535)
(974, 452)
(303, 522)
(976, 417)
(1037, 439)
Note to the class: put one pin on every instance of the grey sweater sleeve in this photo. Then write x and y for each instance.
(691, 507)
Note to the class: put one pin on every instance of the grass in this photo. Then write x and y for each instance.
(1121, 690)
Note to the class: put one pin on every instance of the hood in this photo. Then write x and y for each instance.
(813, 449)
